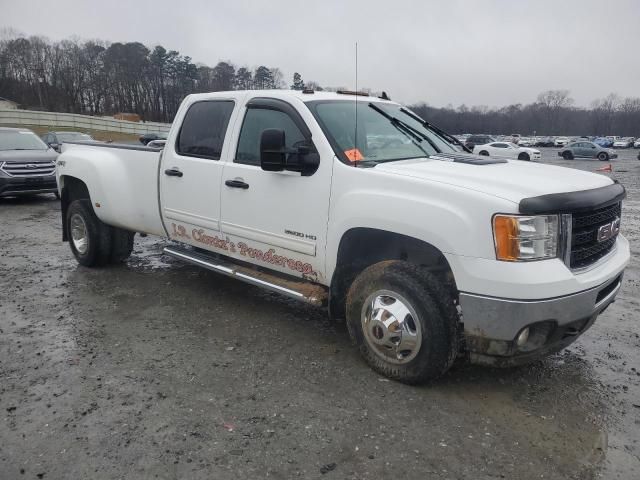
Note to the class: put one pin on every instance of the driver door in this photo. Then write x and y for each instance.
(501, 150)
(277, 220)
(590, 151)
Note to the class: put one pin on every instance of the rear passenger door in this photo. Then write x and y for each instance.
(191, 171)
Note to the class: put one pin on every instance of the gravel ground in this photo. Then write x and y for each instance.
(155, 369)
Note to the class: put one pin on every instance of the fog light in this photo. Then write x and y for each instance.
(523, 337)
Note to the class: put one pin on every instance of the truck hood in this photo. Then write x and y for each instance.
(33, 156)
(512, 180)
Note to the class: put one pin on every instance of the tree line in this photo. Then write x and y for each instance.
(101, 78)
(553, 113)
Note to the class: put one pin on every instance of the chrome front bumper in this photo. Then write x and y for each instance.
(491, 325)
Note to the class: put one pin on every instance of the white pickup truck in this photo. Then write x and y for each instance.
(356, 203)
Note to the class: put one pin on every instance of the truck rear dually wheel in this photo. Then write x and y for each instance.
(403, 321)
(89, 238)
(92, 242)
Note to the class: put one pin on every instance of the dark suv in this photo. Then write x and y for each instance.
(27, 164)
(474, 140)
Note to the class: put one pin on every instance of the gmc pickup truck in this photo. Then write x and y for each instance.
(357, 204)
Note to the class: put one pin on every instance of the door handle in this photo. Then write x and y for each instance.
(236, 184)
(173, 172)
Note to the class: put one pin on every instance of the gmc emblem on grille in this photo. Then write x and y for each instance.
(608, 230)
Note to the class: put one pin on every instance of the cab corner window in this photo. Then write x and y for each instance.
(257, 120)
(203, 129)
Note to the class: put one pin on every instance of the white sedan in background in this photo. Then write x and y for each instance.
(507, 150)
(625, 142)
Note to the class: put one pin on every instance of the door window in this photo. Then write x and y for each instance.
(203, 129)
(255, 122)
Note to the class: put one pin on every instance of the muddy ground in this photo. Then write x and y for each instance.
(155, 369)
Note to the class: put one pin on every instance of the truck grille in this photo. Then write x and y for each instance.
(585, 247)
(28, 169)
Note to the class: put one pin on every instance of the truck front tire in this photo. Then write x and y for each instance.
(403, 321)
(92, 242)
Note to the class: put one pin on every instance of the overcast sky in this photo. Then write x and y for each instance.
(492, 52)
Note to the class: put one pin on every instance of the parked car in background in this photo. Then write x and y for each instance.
(474, 140)
(55, 139)
(636, 144)
(603, 142)
(587, 150)
(508, 150)
(545, 142)
(515, 138)
(27, 164)
(626, 142)
(147, 137)
(525, 142)
(561, 141)
(156, 144)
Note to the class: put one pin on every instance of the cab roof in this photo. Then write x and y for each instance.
(290, 94)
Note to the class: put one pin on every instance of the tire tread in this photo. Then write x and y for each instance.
(432, 295)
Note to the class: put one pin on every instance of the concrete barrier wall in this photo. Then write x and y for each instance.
(81, 122)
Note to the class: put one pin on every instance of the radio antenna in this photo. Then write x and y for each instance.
(355, 99)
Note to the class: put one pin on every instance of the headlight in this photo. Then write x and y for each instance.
(523, 238)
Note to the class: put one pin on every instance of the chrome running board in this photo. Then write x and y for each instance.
(298, 289)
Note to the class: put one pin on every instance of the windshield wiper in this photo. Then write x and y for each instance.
(406, 128)
(439, 131)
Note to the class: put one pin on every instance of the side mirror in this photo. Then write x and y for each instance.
(273, 157)
(276, 157)
(55, 146)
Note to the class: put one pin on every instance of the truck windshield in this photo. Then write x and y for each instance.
(19, 140)
(383, 132)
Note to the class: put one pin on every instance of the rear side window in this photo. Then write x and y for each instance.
(203, 129)
(256, 121)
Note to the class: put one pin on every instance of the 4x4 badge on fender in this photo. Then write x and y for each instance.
(608, 230)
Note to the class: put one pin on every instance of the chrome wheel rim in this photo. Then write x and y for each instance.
(79, 235)
(391, 327)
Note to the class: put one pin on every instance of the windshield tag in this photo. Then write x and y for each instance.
(354, 155)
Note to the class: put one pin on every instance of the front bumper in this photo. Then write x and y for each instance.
(492, 324)
(13, 186)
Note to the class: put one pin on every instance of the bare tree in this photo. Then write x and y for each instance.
(552, 103)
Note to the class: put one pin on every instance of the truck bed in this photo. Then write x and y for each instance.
(124, 189)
